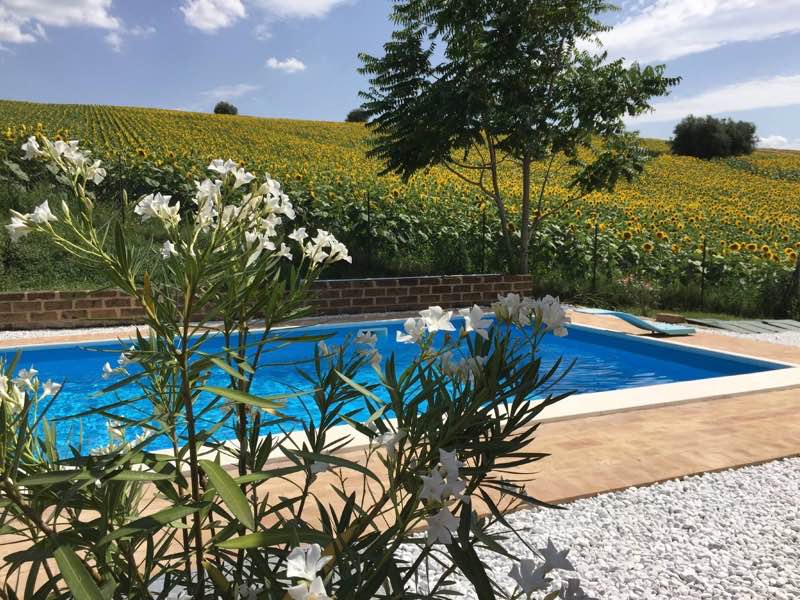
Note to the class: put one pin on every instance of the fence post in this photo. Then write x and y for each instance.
(483, 238)
(703, 277)
(594, 256)
(369, 234)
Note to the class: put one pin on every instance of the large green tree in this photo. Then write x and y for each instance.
(473, 84)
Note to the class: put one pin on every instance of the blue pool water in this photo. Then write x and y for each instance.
(604, 361)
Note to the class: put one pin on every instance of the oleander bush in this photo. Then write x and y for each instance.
(260, 504)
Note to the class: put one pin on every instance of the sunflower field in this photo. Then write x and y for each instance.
(723, 235)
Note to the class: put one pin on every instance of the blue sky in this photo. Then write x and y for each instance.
(298, 58)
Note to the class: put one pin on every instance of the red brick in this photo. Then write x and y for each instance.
(107, 294)
(117, 302)
(88, 303)
(441, 289)
(34, 305)
(45, 316)
(133, 312)
(73, 294)
(341, 302)
(104, 313)
(42, 295)
(374, 292)
(74, 314)
(12, 317)
(10, 297)
(57, 304)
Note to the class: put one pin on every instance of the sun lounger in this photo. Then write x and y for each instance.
(651, 326)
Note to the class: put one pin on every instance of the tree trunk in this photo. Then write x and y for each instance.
(525, 225)
(501, 208)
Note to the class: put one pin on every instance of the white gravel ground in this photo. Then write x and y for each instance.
(111, 332)
(728, 535)
(786, 338)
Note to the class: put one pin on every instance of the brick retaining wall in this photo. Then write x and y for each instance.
(45, 309)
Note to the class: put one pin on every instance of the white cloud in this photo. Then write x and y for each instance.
(116, 39)
(667, 29)
(211, 15)
(23, 21)
(289, 65)
(298, 9)
(228, 92)
(773, 92)
(779, 142)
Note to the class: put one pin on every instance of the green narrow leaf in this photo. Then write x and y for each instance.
(335, 460)
(271, 404)
(152, 522)
(230, 493)
(80, 583)
(227, 368)
(263, 539)
(360, 388)
(141, 476)
(55, 477)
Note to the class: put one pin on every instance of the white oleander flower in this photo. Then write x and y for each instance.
(125, 358)
(31, 148)
(414, 330)
(390, 441)
(16, 395)
(285, 252)
(450, 463)
(242, 177)
(109, 372)
(50, 388)
(313, 591)
(433, 487)
(223, 168)
(551, 314)
(18, 228)
(305, 563)
(207, 190)
(529, 577)
(96, 173)
(319, 467)
(437, 319)
(298, 235)
(157, 206)
(474, 321)
(168, 250)
(26, 378)
(366, 338)
(441, 527)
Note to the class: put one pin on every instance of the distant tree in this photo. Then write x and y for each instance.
(473, 86)
(225, 108)
(357, 115)
(707, 137)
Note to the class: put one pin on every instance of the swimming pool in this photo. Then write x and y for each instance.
(604, 361)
